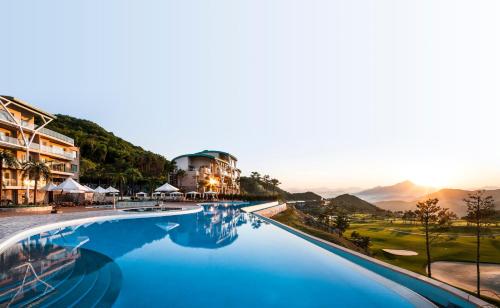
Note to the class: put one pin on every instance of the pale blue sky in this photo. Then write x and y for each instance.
(316, 93)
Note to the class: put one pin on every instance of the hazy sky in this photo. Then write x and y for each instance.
(316, 93)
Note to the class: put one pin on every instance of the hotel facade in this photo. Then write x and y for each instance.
(208, 170)
(23, 133)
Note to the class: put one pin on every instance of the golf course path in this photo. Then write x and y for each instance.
(446, 234)
(463, 275)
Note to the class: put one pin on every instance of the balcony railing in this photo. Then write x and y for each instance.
(57, 135)
(4, 116)
(54, 150)
(11, 140)
(10, 182)
(36, 146)
(61, 168)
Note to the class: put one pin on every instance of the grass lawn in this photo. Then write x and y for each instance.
(383, 234)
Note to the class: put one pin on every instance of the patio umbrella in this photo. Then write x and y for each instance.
(100, 190)
(49, 187)
(176, 193)
(70, 186)
(90, 190)
(166, 188)
(141, 194)
(112, 190)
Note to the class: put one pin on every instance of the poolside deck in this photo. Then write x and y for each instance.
(14, 224)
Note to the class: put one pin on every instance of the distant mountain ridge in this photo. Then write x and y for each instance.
(353, 204)
(306, 196)
(448, 198)
(404, 191)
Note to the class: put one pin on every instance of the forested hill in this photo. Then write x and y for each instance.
(256, 185)
(104, 155)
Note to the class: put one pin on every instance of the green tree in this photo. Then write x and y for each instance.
(120, 178)
(152, 183)
(7, 159)
(180, 174)
(36, 170)
(266, 180)
(341, 223)
(87, 167)
(274, 184)
(360, 241)
(255, 176)
(480, 210)
(108, 152)
(133, 175)
(434, 219)
(100, 152)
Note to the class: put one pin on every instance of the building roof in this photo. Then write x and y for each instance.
(25, 105)
(194, 155)
(220, 152)
(205, 154)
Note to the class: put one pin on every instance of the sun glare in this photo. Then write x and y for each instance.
(435, 180)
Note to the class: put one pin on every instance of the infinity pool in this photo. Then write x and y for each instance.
(220, 257)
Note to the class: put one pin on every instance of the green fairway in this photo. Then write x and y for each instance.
(458, 244)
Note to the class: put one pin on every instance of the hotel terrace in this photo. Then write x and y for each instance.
(23, 132)
(207, 171)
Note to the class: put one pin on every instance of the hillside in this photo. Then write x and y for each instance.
(396, 205)
(449, 198)
(299, 220)
(104, 154)
(345, 203)
(256, 187)
(353, 204)
(404, 191)
(306, 196)
(250, 186)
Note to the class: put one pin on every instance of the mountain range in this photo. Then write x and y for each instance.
(404, 191)
(404, 196)
(448, 198)
(353, 204)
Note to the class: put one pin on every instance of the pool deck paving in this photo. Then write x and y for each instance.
(14, 224)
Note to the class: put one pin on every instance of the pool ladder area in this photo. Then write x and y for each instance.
(93, 280)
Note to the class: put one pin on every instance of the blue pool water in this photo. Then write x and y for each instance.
(220, 257)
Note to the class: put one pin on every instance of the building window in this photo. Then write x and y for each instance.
(74, 168)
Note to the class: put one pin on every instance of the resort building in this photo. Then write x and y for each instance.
(207, 171)
(23, 133)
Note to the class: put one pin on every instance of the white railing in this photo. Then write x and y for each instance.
(36, 146)
(54, 150)
(10, 182)
(57, 135)
(11, 140)
(4, 116)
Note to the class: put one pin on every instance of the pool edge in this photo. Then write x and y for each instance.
(16, 237)
(438, 284)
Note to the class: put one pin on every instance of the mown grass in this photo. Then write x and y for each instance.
(446, 248)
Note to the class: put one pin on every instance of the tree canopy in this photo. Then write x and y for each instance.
(103, 154)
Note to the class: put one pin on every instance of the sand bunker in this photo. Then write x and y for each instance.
(463, 275)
